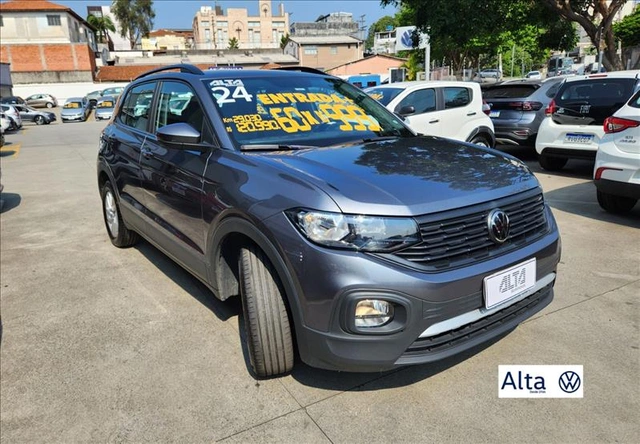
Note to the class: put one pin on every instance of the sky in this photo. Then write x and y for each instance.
(180, 13)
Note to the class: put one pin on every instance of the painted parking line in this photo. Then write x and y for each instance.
(9, 151)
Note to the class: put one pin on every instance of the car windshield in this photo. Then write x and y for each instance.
(300, 110)
(71, 105)
(383, 95)
(105, 104)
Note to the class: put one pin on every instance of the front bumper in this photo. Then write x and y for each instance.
(71, 118)
(328, 281)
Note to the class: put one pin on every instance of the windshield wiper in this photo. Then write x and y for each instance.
(274, 147)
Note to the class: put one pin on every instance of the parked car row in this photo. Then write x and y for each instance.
(95, 96)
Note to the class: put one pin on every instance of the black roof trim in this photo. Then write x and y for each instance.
(302, 69)
(191, 69)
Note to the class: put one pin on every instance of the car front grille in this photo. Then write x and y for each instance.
(461, 237)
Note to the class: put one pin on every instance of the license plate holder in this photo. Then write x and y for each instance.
(583, 139)
(507, 284)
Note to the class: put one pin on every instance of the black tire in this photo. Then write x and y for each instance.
(49, 105)
(119, 234)
(615, 204)
(552, 163)
(265, 315)
(481, 140)
(39, 120)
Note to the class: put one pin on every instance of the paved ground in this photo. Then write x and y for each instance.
(101, 344)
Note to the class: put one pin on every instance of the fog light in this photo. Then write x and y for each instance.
(373, 313)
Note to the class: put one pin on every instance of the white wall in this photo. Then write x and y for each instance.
(61, 91)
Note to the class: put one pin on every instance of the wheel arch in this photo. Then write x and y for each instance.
(483, 130)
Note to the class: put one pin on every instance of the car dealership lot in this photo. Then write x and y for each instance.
(101, 344)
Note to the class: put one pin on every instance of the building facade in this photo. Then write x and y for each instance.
(335, 23)
(325, 52)
(167, 40)
(117, 42)
(213, 27)
(46, 42)
(377, 64)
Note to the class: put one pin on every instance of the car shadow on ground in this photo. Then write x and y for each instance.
(580, 199)
(9, 201)
(191, 285)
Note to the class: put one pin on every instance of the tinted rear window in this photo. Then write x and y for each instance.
(602, 91)
(509, 91)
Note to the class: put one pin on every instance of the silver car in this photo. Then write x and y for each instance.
(75, 109)
(105, 107)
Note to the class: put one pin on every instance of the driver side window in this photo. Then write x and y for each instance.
(423, 100)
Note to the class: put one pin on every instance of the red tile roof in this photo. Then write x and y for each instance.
(31, 5)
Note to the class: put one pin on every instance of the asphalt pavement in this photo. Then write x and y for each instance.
(100, 344)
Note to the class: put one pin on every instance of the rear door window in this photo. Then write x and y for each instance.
(455, 97)
(136, 110)
(423, 100)
(590, 101)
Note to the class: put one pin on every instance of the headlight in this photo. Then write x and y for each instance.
(365, 233)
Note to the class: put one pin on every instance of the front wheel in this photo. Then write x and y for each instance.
(119, 234)
(615, 204)
(49, 105)
(265, 315)
(39, 120)
(552, 163)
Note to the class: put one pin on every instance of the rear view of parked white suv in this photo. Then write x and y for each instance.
(439, 108)
(573, 128)
(617, 170)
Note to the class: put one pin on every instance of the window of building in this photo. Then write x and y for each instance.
(207, 35)
(53, 20)
(222, 24)
(254, 24)
(1, 21)
(278, 24)
(334, 50)
(311, 50)
(205, 23)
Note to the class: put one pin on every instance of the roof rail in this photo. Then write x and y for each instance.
(191, 69)
(302, 69)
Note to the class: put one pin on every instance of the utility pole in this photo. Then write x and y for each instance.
(362, 28)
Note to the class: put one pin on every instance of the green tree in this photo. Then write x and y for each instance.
(135, 18)
(284, 41)
(379, 26)
(233, 43)
(628, 29)
(103, 25)
(596, 18)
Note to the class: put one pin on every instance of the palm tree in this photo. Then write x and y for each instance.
(103, 25)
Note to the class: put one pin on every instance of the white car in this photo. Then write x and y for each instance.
(617, 170)
(573, 127)
(439, 108)
(537, 75)
(10, 112)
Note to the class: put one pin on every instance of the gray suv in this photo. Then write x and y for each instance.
(353, 243)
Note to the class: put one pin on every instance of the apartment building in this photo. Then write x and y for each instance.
(46, 42)
(213, 27)
(117, 42)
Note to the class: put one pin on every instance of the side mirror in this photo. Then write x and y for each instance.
(178, 135)
(406, 110)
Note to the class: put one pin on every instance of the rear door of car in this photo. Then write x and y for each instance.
(590, 101)
(172, 178)
(460, 114)
(124, 139)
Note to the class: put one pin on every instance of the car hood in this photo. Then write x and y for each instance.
(406, 176)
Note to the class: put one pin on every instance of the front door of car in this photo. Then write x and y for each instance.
(124, 141)
(424, 118)
(172, 178)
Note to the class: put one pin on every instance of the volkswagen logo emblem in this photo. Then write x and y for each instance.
(569, 382)
(498, 224)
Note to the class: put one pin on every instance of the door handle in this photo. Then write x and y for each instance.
(434, 121)
(473, 113)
